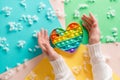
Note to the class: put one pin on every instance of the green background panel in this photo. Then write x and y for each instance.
(99, 8)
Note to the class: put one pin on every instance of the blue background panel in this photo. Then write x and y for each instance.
(17, 55)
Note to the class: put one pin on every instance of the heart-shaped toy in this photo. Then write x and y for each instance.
(68, 40)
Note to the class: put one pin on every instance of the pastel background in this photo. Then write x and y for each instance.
(99, 8)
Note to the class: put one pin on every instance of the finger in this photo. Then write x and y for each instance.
(92, 16)
(85, 25)
(39, 34)
(49, 48)
(39, 40)
(42, 47)
(39, 37)
(86, 20)
(42, 33)
(44, 50)
(46, 35)
(94, 25)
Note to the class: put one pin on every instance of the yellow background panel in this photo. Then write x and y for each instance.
(78, 63)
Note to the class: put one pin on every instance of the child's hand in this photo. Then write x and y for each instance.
(43, 41)
(91, 24)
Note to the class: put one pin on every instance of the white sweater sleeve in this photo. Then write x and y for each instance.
(61, 70)
(101, 71)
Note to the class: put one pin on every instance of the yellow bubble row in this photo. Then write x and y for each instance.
(67, 36)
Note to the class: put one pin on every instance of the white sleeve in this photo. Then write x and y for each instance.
(61, 70)
(101, 71)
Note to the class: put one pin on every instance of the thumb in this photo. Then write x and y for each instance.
(46, 51)
(49, 49)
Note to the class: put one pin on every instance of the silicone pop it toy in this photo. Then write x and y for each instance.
(68, 40)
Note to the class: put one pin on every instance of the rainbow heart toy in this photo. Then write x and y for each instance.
(68, 40)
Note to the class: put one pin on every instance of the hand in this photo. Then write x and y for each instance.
(43, 41)
(91, 24)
